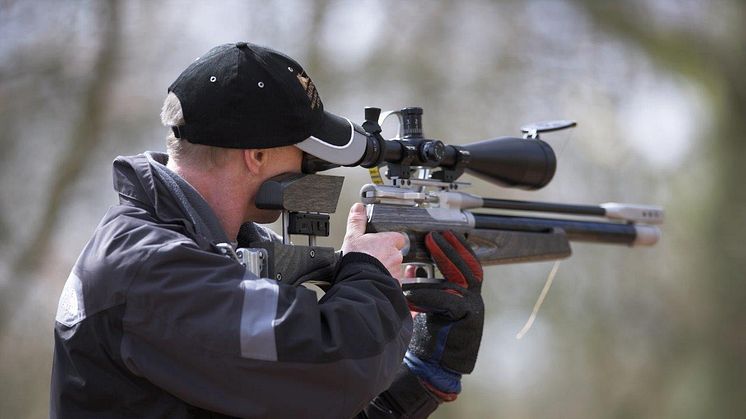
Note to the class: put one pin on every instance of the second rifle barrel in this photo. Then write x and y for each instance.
(508, 204)
(576, 230)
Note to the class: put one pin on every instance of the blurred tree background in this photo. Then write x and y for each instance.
(659, 93)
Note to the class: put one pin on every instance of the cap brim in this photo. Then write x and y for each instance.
(336, 140)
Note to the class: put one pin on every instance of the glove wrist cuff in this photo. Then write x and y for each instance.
(441, 395)
(443, 383)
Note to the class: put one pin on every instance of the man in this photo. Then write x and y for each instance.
(158, 320)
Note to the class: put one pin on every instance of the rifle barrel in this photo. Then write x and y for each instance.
(576, 230)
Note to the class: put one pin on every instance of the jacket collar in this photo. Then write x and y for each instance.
(144, 180)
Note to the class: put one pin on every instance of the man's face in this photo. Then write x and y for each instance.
(284, 160)
(279, 160)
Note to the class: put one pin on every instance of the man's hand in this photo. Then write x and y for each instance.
(449, 316)
(386, 247)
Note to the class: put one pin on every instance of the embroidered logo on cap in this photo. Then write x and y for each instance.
(310, 89)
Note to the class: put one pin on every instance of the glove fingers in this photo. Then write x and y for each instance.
(444, 285)
(466, 253)
(447, 303)
(450, 261)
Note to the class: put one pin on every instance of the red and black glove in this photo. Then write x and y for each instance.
(449, 316)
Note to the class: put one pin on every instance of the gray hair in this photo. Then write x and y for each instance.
(181, 150)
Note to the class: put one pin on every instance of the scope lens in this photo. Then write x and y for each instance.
(512, 162)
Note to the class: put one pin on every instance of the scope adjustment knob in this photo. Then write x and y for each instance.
(372, 114)
(432, 151)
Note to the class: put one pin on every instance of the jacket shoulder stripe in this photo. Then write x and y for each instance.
(257, 319)
(71, 307)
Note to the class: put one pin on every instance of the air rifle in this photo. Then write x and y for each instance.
(416, 190)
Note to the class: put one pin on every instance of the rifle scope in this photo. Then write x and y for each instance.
(506, 161)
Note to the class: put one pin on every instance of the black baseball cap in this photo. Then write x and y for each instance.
(246, 96)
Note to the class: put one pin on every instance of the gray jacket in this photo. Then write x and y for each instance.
(154, 321)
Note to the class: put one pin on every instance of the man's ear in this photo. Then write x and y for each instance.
(255, 160)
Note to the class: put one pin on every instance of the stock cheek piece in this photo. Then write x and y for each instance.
(246, 96)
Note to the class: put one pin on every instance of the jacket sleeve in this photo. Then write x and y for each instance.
(200, 327)
(406, 398)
